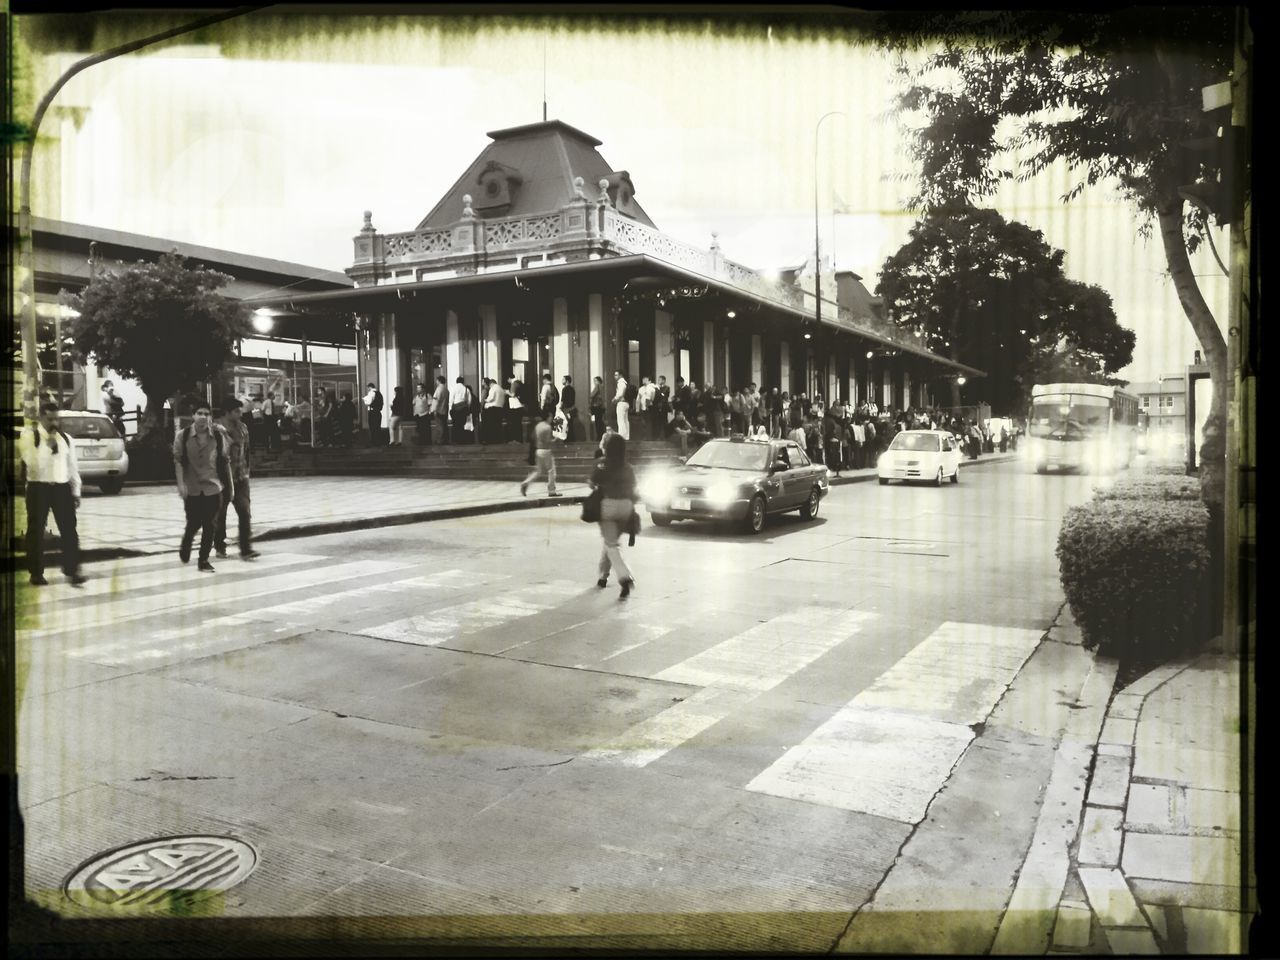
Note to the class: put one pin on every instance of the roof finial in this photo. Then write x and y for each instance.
(604, 192)
(578, 184)
(466, 206)
(368, 221)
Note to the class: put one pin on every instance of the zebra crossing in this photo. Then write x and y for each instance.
(886, 752)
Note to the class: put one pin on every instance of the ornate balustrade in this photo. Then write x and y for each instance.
(596, 224)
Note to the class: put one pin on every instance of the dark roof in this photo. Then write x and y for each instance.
(547, 156)
(119, 245)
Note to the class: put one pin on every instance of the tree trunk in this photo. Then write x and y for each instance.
(1213, 450)
(151, 424)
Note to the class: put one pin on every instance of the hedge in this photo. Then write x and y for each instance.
(1157, 488)
(1163, 469)
(1135, 574)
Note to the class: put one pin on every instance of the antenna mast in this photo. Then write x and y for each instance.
(544, 79)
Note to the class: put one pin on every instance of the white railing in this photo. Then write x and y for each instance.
(520, 231)
(634, 237)
(397, 246)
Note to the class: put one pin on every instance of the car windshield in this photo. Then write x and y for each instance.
(915, 441)
(88, 428)
(731, 456)
(1068, 417)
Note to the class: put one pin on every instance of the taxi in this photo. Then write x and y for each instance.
(737, 480)
(928, 456)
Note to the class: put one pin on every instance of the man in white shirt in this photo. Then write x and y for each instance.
(644, 404)
(459, 409)
(53, 484)
(495, 412)
(440, 408)
(621, 407)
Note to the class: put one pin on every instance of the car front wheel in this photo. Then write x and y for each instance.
(955, 477)
(660, 519)
(810, 508)
(883, 482)
(111, 487)
(755, 515)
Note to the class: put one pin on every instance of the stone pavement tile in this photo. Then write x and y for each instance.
(1126, 706)
(1150, 805)
(1086, 722)
(1213, 931)
(1073, 927)
(1115, 750)
(1159, 922)
(1118, 731)
(1110, 782)
(1110, 897)
(1209, 809)
(1149, 682)
(1131, 942)
(1100, 838)
(1203, 860)
(1067, 633)
(1169, 894)
(1164, 757)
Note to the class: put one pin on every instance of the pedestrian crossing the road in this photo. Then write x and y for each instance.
(150, 614)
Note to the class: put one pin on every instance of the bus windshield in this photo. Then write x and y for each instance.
(1069, 417)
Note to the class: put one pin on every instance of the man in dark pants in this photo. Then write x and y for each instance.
(373, 400)
(236, 441)
(569, 404)
(459, 409)
(53, 484)
(202, 473)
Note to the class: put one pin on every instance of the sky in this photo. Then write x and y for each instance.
(273, 139)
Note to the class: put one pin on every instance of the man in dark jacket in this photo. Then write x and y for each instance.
(373, 400)
(569, 404)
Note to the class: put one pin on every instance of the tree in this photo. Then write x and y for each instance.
(160, 323)
(1114, 93)
(991, 293)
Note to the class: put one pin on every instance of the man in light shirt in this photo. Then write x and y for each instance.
(621, 407)
(440, 408)
(204, 475)
(459, 408)
(544, 464)
(644, 404)
(495, 412)
(53, 484)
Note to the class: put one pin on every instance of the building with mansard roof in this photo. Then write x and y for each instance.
(539, 258)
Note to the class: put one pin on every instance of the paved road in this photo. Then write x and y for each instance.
(449, 723)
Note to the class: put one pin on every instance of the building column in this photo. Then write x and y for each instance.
(452, 348)
(595, 338)
(664, 347)
(389, 356)
(708, 354)
(784, 367)
(886, 391)
(906, 388)
(560, 363)
(757, 360)
(491, 359)
(853, 375)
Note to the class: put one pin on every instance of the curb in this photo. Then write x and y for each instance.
(52, 558)
(1110, 904)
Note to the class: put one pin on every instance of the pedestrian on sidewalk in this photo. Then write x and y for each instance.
(236, 436)
(53, 484)
(373, 400)
(271, 421)
(569, 405)
(544, 463)
(495, 413)
(622, 404)
(616, 481)
(421, 416)
(440, 408)
(400, 409)
(548, 398)
(596, 406)
(458, 411)
(203, 473)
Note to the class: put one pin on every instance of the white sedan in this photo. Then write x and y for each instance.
(927, 455)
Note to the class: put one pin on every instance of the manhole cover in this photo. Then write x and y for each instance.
(156, 873)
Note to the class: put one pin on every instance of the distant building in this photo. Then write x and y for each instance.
(67, 255)
(539, 258)
(1162, 407)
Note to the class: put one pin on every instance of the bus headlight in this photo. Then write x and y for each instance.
(721, 494)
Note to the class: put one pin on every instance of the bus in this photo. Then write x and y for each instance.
(1081, 426)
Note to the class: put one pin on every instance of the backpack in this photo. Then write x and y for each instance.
(632, 393)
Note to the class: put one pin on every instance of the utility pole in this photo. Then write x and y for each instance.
(30, 362)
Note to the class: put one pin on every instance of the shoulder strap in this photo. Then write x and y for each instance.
(186, 435)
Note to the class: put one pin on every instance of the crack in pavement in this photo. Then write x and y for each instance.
(535, 766)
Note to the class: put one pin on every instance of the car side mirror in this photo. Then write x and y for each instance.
(778, 465)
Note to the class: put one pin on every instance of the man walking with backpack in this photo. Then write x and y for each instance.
(237, 447)
(53, 484)
(203, 473)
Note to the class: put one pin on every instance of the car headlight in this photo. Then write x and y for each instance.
(721, 494)
(880, 461)
(654, 488)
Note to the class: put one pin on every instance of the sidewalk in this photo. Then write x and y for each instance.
(148, 519)
(1157, 863)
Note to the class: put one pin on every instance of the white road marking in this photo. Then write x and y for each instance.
(732, 673)
(439, 626)
(206, 591)
(890, 750)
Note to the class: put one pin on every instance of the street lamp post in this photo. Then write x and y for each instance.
(817, 247)
(30, 363)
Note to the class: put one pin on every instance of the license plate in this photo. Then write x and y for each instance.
(681, 503)
(93, 453)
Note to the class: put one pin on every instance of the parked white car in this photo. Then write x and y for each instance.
(100, 452)
(921, 455)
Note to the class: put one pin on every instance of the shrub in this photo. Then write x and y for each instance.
(1135, 573)
(1164, 470)
(1148, 488)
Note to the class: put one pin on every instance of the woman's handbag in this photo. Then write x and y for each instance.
(591, 506)
(633, 527)
(532, 459)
